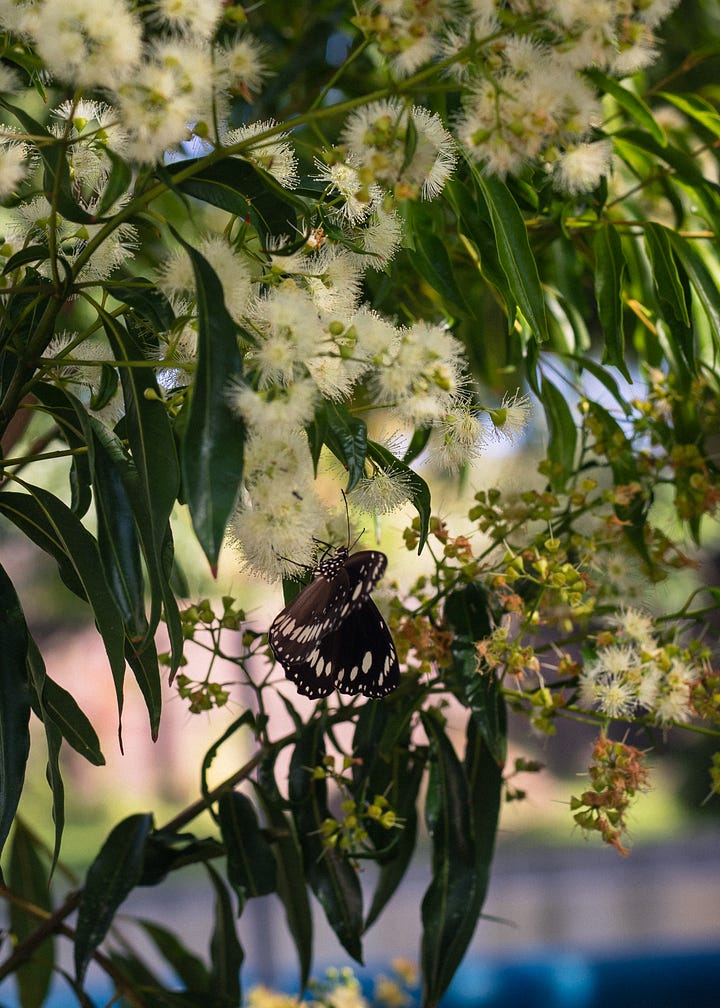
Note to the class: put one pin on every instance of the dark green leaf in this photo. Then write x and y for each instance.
(158, 557)
(329, 873)
(432, 261)
(117, 183)
(38, 683)
(250, 860)
(118, 541)
(27, 878)
(685, 165)
(346, 437)
(630, 103)
(145, 667)
(417, 489)
(669, 289)
(467, 611)
(407, 773)
(167, 851)
(67, 412)
(609, 270)
(291, 887)
(31, 253)
(214, 439)
(602, 375)
(226, 954)
(147, 300)
(190, 970)
(563, 433)
(453, 901)
(703, 283)
(240, 188)
(514, 252)
(14, 704)
(111, 877)
(483, 697)
(57, 530)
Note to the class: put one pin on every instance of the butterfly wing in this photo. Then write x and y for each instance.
(333, 635)
(358, 657)
(340, 585)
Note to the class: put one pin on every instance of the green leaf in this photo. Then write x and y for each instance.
(239, 187)
(701, 279)
(668, 287)
(146, 300)
(56, 529)
(63, 407)
(190, 971)
(514, 252)
(482, 695)
(467, 610)
(417, 489)
(432, 261)
(601, 375)
(117, 183)
(635, 107)
(118, 541)
(14, 704)
(328, 871)
(110, 878)
(346, 437)
(158, 557)
(226, 953)
(214, 439)
(291, 887)
(697, 108)
(563, 433)
(53, 736)
(609, 270)
(250, 860)
(144, 663)
(685, 165)
(246, 718)
(453, 901)
(27, 878)
(149, 432)
(407, 774)
(166, 851)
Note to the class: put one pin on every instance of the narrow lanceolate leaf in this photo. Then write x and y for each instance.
(190, 970)
(149, 433)
(214, 436)
(703, 283)
(328, 871)
(563, 434)
(250, 860)
(63, 407)
(56, 529)
(14, 704)
(226, 953)
(453, 901)
(291, 887)
(111, 877)
(514, 252)
(38, 681)
(158, 557)
(631, 103)
(609, 270)
(27, 877)
(146, 669)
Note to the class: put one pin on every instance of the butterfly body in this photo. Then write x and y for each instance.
(332, 635)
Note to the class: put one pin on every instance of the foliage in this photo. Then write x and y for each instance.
(244, 249)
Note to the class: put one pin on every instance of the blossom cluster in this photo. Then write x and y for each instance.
(632, 673)
(526, 98)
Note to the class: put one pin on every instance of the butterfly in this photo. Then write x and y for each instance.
(332, 636)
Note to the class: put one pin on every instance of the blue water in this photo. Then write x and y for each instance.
(553, 978)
